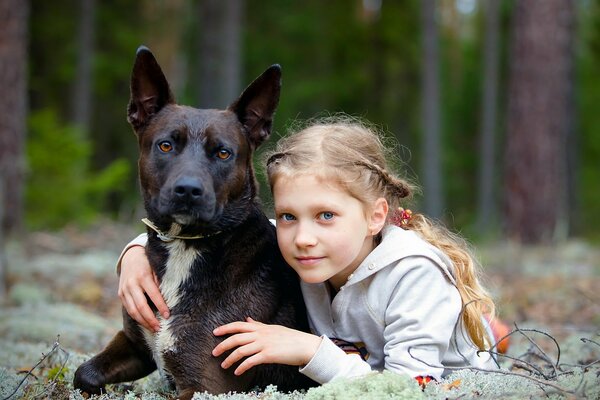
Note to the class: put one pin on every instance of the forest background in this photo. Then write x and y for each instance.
(493, 103)
(491, 106)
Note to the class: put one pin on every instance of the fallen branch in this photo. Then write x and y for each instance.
(536, 351)
(499, 371)
(55, 347)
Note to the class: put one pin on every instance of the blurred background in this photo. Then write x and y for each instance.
(493, 104)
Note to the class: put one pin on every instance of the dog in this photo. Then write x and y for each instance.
(211, 247)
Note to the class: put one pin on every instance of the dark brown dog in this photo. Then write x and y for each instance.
(210, 245)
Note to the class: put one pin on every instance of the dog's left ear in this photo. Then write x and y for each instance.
(256, 105)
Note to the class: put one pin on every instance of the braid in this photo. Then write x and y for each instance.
(275, 157)
(396, 187)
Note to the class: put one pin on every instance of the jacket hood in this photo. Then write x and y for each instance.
(397, 244)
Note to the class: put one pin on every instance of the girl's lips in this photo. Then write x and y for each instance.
(309, 260)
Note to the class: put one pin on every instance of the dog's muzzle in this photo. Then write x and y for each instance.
(188, 201)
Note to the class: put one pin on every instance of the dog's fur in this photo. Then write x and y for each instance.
(197, 178)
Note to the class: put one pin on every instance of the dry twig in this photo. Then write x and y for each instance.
(52, 384)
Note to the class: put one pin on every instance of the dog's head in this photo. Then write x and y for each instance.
(196, 164)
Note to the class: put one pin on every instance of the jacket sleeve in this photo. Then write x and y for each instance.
(138, 241)
(420, 319)
(330, 362)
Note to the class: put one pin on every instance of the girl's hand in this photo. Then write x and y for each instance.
(264, 344)
(137, 279)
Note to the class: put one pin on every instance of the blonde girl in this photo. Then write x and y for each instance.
(384, 289)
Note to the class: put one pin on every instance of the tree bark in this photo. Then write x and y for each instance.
(3, 264)
(537, 121)
(220, 52)
(431, 162)
(487, 144)
(82, 90)
(164, 31)
(13, 103)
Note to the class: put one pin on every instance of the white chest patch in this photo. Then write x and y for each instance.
(160, 342)
(176, 272)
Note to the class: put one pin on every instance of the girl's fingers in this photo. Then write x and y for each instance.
(142, 312)
(129, 305)
(134, 311)
(156, 297)
(250, 362)
(234, 327)
(241, 352)
(237, 340)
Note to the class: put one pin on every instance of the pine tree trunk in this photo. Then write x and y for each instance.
(487, 145)
(82, 90)
(13, 103)
(220, 52)
(431, 155)
(537, 121)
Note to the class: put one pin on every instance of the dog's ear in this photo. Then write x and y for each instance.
(256, 106)
(150, 90)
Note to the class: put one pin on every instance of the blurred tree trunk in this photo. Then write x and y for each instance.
(82, 89)
(220, 51)
(3, 258)
(487, 147)
(165, 33)
(431, 162)
(538, 119)
(13, 103)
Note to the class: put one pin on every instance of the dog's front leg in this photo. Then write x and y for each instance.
(122, 360)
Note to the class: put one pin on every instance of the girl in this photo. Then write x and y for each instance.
(379, 296)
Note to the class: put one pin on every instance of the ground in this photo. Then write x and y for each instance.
(63, 307)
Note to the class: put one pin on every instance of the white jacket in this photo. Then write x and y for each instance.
(401, 298)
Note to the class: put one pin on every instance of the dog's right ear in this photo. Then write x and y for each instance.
(150, 91)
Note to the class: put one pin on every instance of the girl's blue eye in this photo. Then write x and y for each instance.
(327, 215)
(287, 217)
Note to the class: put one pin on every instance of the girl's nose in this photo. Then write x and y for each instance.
(304, 236)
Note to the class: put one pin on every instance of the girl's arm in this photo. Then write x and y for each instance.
(260, 343)
(136, 279)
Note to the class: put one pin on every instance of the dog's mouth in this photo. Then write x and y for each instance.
(201, 215)
(184, 219)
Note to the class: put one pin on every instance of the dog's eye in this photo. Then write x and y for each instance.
(165, 146)
(223, 154)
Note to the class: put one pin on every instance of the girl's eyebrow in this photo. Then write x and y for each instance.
(319, 207)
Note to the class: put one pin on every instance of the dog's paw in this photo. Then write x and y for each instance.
(88, 380)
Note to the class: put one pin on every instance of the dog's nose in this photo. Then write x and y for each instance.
(188, 188)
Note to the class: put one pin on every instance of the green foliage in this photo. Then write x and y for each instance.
(588, 134)
(61, 187)
(57, 373)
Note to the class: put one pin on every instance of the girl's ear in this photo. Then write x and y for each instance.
(378, 216)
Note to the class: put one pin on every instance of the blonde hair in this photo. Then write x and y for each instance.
(352, 153)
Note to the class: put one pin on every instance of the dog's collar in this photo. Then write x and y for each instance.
(171, 235)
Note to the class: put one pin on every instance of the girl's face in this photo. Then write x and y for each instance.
(322, 231)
